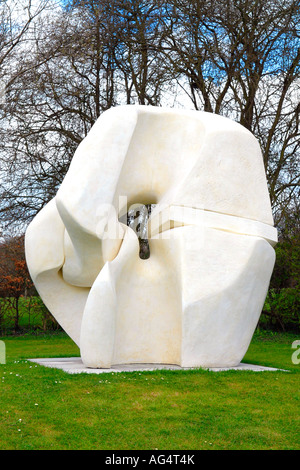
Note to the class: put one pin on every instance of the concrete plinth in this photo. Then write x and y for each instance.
(74, 365)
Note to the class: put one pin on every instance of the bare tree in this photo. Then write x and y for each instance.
(50, 107)
(17, 29)
(139, 56)
(236, 58)
(81, 61)
(241, 59)
(16, 21)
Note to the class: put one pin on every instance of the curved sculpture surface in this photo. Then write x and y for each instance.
(196, 298)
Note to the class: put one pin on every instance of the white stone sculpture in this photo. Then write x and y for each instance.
(197, 299)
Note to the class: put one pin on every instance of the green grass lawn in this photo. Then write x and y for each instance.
(43, 408)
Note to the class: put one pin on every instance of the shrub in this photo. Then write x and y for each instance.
(282, 309)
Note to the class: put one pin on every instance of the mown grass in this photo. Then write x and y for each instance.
(43, 408)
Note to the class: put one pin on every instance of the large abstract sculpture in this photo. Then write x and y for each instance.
(196, 298)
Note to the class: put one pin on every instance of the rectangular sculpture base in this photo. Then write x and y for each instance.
(74, 365)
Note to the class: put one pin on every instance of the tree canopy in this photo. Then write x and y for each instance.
(64, 63)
